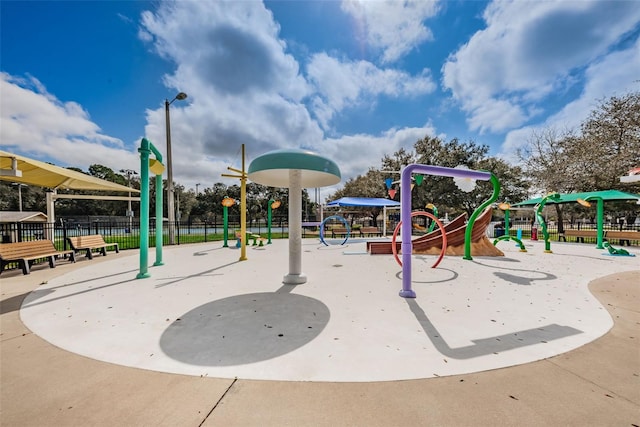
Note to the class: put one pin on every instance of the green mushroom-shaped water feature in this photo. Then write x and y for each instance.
(295, 169)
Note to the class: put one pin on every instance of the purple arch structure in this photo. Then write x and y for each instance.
(405, 211)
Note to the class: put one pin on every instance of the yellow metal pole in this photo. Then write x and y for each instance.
(242, 175)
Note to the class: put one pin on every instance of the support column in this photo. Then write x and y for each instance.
(405, 231)
(600, 222)
(295, 276)
(51, 214)
(144, 211)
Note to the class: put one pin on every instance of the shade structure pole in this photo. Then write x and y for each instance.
(384, 221)
(600, 221)
(144, 211)
(51, 212)
(269, 221)
(295, 276)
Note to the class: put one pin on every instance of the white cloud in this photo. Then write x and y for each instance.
(345, 84)
(356, 154)
(525, 54)
(35, 122)
(233, 46)
(243, 87)
(395, 27)
(612, 75)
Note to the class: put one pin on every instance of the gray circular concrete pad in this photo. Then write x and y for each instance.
(205, 313)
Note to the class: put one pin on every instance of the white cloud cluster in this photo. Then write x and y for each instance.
(244, 87)
(342, 84)
(34, 121)
(392, 26)
(354, 153)
(613, 74)
(527, 53)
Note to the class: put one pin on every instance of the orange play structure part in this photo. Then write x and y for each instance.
(394, 247)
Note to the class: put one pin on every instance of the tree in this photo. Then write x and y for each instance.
(605, 148)
(609, 145)
(33, 198)
(444, 193)
(546, 162)
(549, 166)
(439, 190)
(106, 173)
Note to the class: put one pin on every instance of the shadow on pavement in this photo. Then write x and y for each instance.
(244, 329)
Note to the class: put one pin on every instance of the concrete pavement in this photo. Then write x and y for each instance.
(593, 384)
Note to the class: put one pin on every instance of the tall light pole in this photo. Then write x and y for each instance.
(129, 172)
(197, 185)
(170, 202)
(20, 185)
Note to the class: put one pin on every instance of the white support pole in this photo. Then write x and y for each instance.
(51, 213)
(295, 276)
(384, 221)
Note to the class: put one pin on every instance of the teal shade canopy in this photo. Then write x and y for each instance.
(606, 195)
(273, 168)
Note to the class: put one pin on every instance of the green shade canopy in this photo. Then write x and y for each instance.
(607, 195)
(273, 168)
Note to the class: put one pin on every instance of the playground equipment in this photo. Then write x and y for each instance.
(378, 202)
(545, 234)
(273, 204)
(599, 215)
(340, 218)
(227, 202)
(255, 238)
(156, 166)
(457, 238)
(455, 230)
(599, 196)
(405, 211)
(394, 248)
(296, 169)
(616, 251)
(505, 207)
(430, 207)
(242, 176)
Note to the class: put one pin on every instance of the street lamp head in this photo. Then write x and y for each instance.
(180, 96)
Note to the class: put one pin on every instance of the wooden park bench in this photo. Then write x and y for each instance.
(339, 231)
(90, 243)
(25, 253)
(370, 231)
(623, 237)
(580, 235)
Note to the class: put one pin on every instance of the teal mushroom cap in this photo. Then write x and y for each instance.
(272, 168)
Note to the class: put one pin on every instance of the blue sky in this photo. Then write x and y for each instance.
(83, 81)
